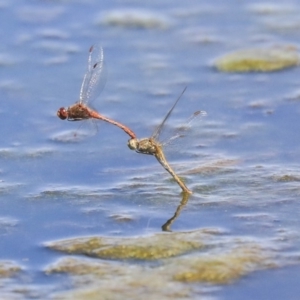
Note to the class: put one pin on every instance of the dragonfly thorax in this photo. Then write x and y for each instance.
(78, 112)
(145, 146)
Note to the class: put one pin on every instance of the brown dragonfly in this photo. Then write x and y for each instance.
(152, 146)
(92, 85)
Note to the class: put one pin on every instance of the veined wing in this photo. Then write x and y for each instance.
(181, 131)
(157, 131)
(95, 77)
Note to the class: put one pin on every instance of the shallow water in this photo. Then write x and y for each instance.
(241, 160)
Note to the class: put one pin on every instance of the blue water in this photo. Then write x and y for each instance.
(56, 189)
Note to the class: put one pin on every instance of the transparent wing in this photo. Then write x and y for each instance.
(95, 78)
(182, 130)
(157, 131)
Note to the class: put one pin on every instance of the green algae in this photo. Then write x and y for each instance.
(73, 192)
(271, 8)
(171, 279)
(258, 60)
(116, 280)
(77, 266)
(224, 268)
(134, 18)
(214, 167)
(8, 269)
(286, 178)
(122, 218)
(143, 248)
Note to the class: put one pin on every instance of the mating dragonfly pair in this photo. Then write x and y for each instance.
(91, 87)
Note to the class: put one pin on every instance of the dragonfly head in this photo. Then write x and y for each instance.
(133, 144)
(62, 113)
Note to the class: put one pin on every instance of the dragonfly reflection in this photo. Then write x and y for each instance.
(184, 200)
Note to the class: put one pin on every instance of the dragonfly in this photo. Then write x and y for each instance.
(152, 146)
(92, 85)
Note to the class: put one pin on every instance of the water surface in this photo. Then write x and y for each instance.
(241, 160)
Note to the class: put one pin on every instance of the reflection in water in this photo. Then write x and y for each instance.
(152, 146)
(184, 200)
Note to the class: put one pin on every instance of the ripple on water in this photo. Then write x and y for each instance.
(38, 14)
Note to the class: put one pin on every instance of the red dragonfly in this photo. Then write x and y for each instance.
(92, 85)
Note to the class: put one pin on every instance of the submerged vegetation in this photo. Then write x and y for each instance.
(191, 257)
(258, 59)
(8, 269)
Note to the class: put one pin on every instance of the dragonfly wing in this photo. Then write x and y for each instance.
(181, 131)
(159, 128)
(95, 78)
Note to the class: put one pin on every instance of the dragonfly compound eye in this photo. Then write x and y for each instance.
(62, 113)
(133, 144)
